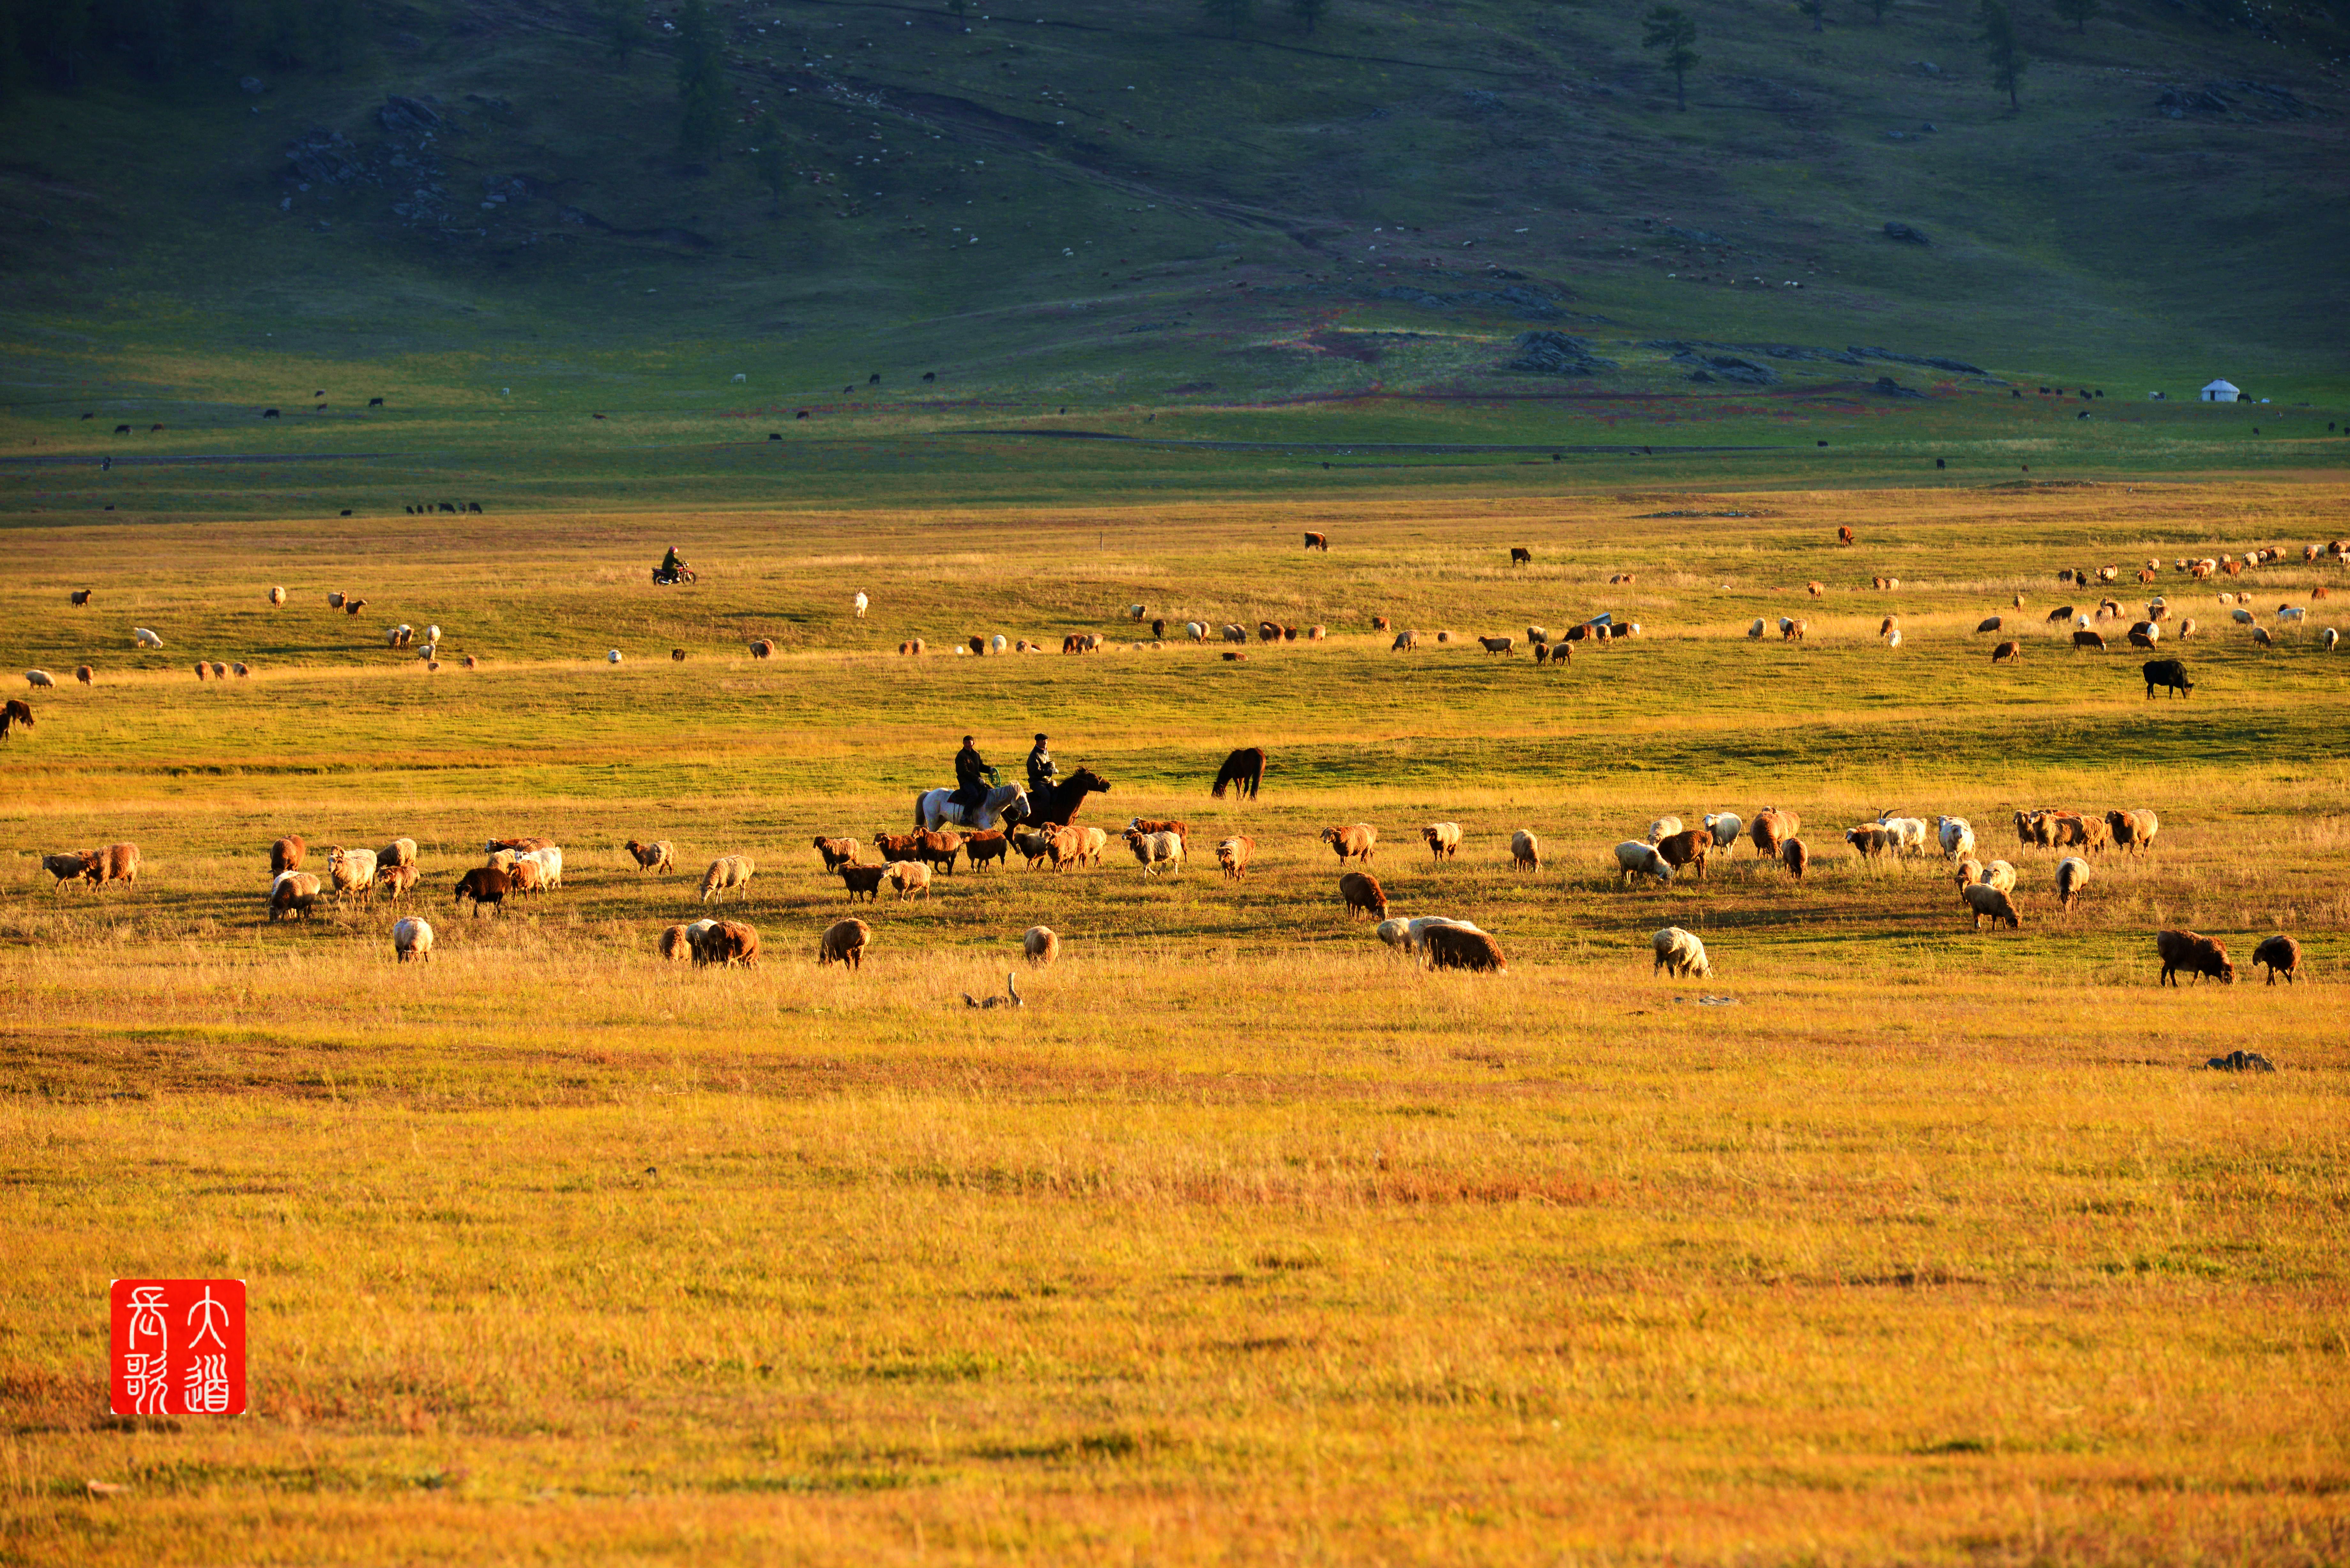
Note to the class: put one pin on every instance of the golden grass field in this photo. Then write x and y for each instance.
(1245, 1239)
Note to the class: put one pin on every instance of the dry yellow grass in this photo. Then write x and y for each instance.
(1245, 1239)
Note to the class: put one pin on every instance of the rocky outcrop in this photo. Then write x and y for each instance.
(1558, 354)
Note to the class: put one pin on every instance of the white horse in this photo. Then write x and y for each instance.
(934, 809)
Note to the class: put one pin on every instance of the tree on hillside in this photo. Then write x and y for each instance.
(1673, 30)
(617, 21)
(1230, 14)
(2002, 50)
(772, 150)
(1817, 10)
(1309, 12)
(2079, 13)
(701, 82)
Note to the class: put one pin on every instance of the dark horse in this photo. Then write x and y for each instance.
(1243, 769)
(1056, 803)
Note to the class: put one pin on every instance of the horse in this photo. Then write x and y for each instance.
(1057, 802)
(934, 809)
(1242, 772)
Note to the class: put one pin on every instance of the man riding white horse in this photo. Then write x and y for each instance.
(975, 801)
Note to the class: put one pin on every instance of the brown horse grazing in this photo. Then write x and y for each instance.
(1243, 772)
(1058, 802)
(19, 712)
(1318, 542)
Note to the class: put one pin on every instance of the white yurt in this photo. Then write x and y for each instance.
(2221, 393)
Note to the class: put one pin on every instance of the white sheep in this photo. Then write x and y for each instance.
(350, 870)
(1525, 849)
(1664, 827)
(278, 595)
(550, 865)
(1680, 953)
(860, 601)
(1957, 838)
(1893, 637)
(1633, 857)
(613, 657)
(1725, 827)
(1411, 936)
(1999, 874)
(1909, 832)
(1041, 943)
(2291, 613)
(1196, 630)
(40, 678)
(727, 871)
(412, 939)
(997, 643)
(1155, 849)
(2328, 638)
(2072, 876)
(432, 634)
(1755, 630)
(144, 638)
(2240, 616)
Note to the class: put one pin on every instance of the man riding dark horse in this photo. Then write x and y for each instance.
(971, 774)
(1041, 771)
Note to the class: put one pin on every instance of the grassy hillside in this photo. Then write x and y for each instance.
(1112, 202)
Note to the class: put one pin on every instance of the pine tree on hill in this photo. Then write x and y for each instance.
(1673, 30)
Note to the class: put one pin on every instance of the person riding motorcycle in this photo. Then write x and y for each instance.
(1041, 771)
(971, 774)
(671, 566)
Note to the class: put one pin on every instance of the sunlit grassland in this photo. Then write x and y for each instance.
(1244, 1239)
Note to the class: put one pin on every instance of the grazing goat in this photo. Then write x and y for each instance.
(728, 871)
(1358, 841)
(1233, 855)
(1680, 953)
(1444, 839)
(844, 941)
(2282, 955)
(1363, 895)
(654, 856)
(2197, 955)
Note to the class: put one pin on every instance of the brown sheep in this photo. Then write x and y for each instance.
(85, 674)
(395, 882)
(81, 595)
(528, 877)
(1175, 826)
(654, 856)
(484, 885)
(2198, 955)
(897, 846)
(2282, 955)
(2087, 640)
(1844, 536)
(1318, 542)
(1457, 947)
(844, 942)
(1508, 645)
(1525, 850)
(2134, 830)
(293, 893)
(2007, 652)
(1771, 828)
(286, 853)
(1686, 849)
(837, 852)
(724, 943)
(1358, 841)
(939, 848)
(1379, 623)
(1983, 900)
(114, 863)
(1795, 856)
(674, 944)
(1233, 855)
(518, 846)
(1042, 944)
(1363, 895)
(910, 878)
(1521, 556)
(985, 847)
(764, 648)
(865, 879)
(1816, 589)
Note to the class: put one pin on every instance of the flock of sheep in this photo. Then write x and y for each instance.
(523, 867)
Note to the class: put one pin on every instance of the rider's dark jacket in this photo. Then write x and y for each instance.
(1041, 771)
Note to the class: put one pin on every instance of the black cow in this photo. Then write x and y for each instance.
(375, 402)
(2167, 672)
(269, 414)
(122, 430)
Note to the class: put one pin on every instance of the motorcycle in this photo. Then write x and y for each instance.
(675, 575)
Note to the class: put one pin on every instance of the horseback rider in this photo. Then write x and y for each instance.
(1041, 771)
(971, 774)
